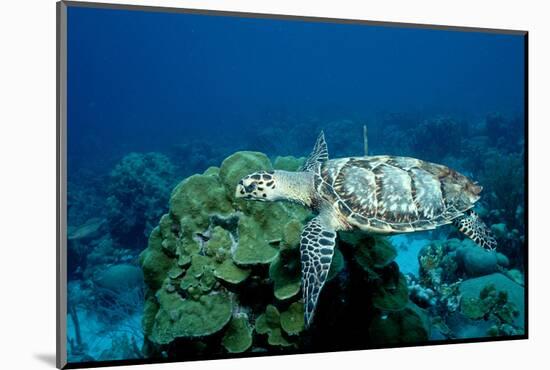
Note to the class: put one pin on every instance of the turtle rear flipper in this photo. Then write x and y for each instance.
(471, 225)
(316, 249)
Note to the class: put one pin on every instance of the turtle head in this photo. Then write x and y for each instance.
(277, 185)
(260, 186)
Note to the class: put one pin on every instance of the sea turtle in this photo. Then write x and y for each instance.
(375, 194)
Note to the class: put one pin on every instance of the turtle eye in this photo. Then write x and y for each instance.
(250, 188)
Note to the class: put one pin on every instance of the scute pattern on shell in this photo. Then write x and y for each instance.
(395, 194)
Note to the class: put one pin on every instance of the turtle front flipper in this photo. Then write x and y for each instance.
(474, 228)
(316, 249)
(318, 155)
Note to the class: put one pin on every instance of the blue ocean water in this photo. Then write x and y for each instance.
(212, 78)
(155, 97)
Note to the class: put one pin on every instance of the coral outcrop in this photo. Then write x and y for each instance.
(497, 299)
(138, 188)
(460, 282)
(224, 274)
(238, 336)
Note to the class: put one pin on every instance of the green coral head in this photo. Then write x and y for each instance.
(261, 186)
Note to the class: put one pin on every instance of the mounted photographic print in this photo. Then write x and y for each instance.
(236, 185)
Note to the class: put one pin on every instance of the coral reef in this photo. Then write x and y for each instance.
(202, 312)
(223, 275)
(270, 323)
(475, 261)
(408, 325)
(195, 156)
(497, 299)
(345, 135)
(503, 180)
(507, 131)
(450, 133)
(139, 187)
(206, 247)
(452, 275)
(104, 315)
(288, 163)
(412, 136)
(86, 195)
(238, 336)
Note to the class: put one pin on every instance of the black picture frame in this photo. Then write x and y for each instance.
(61, 158)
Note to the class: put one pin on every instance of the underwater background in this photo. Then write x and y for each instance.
(166, 112)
